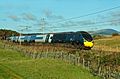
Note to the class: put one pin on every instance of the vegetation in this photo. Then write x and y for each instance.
(108, 44)
(97, 36)
(5, 33)
(47, 69)
(115, 34)
(103, 60)
(13, 65)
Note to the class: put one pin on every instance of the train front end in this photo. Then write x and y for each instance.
(87, 40)
(88, 45)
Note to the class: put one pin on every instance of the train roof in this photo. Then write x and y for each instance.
(55, 33)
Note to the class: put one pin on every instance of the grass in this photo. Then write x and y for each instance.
(10, 55)
(49, 69)
(13, 65)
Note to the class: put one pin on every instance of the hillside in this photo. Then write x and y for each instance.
(104, 32)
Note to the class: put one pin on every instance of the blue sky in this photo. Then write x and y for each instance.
(51, 15)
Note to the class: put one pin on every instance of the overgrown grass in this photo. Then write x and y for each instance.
(13, 65)
(10, 55)
(108, 44)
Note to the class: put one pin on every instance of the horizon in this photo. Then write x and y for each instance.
(29, 16)
(65, 31)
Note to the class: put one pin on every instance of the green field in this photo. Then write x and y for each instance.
(13, 65)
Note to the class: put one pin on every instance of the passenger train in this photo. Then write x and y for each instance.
(81, 38)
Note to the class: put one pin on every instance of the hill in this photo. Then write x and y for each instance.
(104, 32)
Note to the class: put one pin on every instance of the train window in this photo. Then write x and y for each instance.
(39, 37)
(33, 37)
(22, 38)
(86, 36)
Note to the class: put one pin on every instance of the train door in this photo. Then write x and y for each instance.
(50, 38)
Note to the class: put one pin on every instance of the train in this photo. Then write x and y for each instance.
(82, 39)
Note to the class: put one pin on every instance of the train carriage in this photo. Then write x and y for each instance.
(81, 38)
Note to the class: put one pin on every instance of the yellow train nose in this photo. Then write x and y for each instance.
(88, 44)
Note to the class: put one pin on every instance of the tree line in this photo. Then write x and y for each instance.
(4, 33)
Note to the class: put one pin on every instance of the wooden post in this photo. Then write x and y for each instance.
(39, 55)
(46, 54)
(78, 61)
(61, 55)
(83, 62)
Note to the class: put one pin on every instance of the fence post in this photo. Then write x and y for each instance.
(46, 54)
(61, 56)
(83, 62)
(34, 55)
(78, 61)
(54, 55)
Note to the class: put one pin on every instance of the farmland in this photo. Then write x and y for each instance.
(108, 44)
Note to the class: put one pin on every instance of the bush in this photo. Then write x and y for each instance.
(115, 34)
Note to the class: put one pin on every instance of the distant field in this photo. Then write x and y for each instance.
(108, 44)
(14, 65)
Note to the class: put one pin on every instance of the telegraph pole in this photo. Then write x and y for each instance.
(42, 24)
(20, 38)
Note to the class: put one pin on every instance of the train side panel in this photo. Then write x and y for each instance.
(21, 38)
(40, 38)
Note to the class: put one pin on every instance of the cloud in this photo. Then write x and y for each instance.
(49, 14)
(115, 14)
(3, 19)
(14, 17)
(29, 16)
(24, 28)
(115, 18)
(74, 24)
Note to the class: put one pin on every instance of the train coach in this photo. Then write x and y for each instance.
(81, 38)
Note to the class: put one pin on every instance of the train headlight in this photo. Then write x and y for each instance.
(88, 44)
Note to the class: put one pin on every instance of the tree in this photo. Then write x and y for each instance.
(6, 33)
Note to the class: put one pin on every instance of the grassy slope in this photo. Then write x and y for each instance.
(14, 66)
(48, 69)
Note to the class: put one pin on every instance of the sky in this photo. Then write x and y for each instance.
(30, 16)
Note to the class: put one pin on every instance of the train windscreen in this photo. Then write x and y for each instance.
(86, 36)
